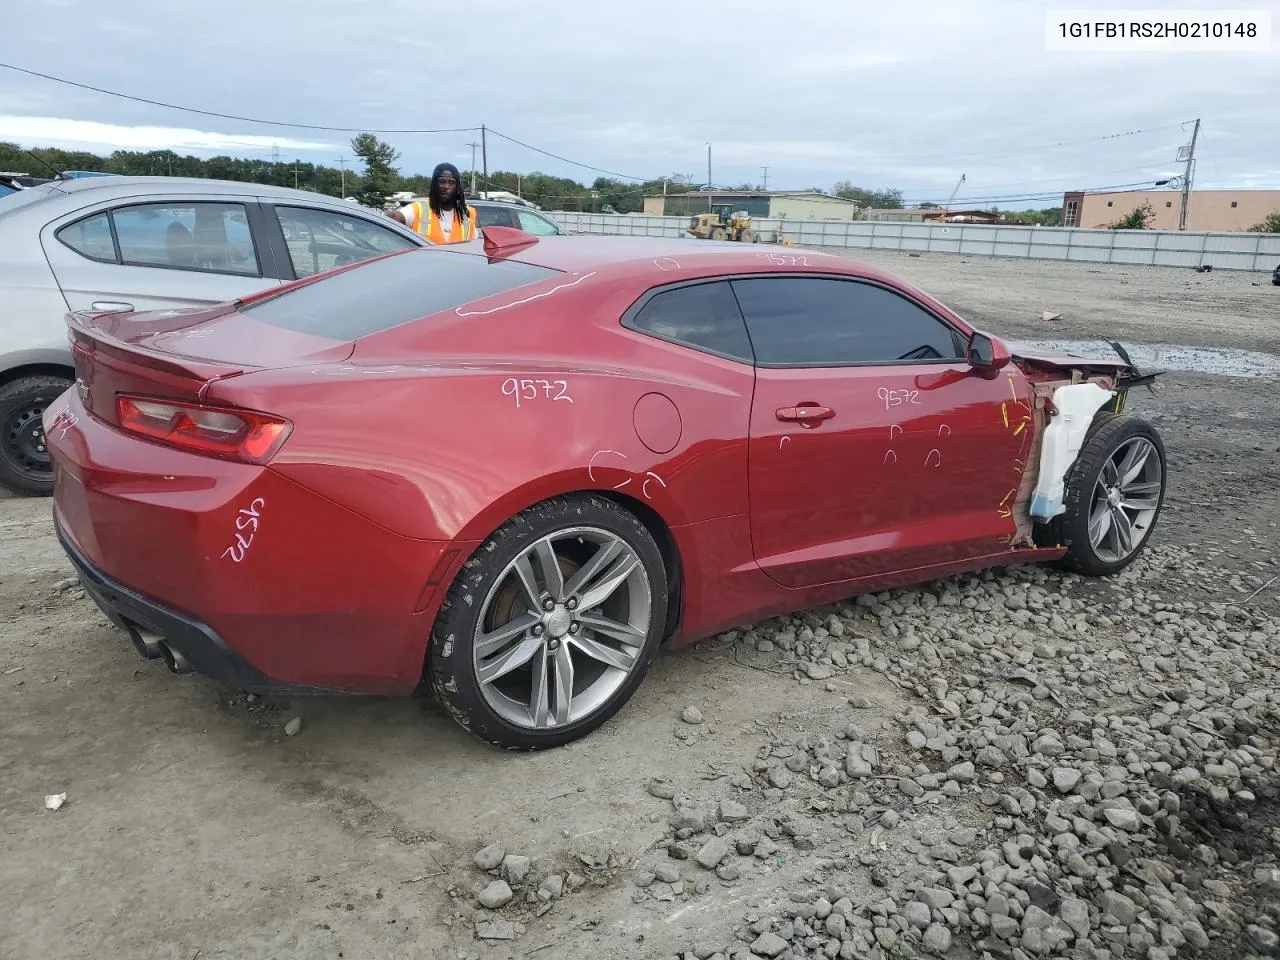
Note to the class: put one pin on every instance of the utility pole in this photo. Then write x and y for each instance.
(473, 146)
(708, 176)
(342, 164)
(484, 154)
(766, 179)
(1186, 177)
(295, 173)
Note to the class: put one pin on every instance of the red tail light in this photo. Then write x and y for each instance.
(213, 431)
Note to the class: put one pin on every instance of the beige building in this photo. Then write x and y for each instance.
(812, 206)
(1207, 210)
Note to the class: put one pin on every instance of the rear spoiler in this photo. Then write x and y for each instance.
(86, 335)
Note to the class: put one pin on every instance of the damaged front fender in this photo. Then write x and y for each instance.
(1073, 409)
(1074, 390)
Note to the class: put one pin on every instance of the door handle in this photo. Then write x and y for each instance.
(112, 306)
(805, 412)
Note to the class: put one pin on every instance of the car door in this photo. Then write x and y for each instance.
(159, 253)
(318, 239)
(874, 446)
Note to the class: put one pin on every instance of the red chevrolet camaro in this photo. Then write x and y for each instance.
(514, 468)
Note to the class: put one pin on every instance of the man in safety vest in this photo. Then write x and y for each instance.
(444, 216)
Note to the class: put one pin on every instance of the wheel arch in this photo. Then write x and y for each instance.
(661, 532)
(37, 369)
(652, 515)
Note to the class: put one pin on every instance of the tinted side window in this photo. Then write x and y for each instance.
(493, 217)
(816, 322)
(90, 237)
(191, 236)
(704, 316)
(320, 240)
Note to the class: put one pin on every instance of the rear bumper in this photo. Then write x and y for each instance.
(253, 578)
(153, 627)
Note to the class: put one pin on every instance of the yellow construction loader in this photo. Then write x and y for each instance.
(721, 224)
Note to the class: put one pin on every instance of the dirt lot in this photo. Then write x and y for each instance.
(1027, 764)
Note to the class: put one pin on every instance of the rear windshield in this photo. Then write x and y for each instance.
(385, 293)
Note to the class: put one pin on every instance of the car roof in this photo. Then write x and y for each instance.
(57, 198)
(676, 258)
(90, 188)
(478, 202)
(647, 262)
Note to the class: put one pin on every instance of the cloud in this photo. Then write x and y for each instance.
(907, 95)
(91, 135)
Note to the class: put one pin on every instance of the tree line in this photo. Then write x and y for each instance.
(375, 176)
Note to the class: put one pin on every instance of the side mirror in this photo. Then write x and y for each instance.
(987, 354)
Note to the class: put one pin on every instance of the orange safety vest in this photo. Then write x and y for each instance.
(423, 220)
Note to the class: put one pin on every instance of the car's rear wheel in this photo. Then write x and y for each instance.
(25, 466)
(1114, 495)
(551, 625)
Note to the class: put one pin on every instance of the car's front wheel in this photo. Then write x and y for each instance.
(1114, 495)
(551, 625)
(25, 465)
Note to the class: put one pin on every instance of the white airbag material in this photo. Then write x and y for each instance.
(1075, 404)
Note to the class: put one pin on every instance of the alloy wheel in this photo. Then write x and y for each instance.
(1125, 500)
(562, 628)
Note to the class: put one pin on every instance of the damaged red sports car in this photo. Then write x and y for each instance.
(512, 469)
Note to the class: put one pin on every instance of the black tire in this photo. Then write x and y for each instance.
(451, 670)
(1108, 433)
(718, 233)
(24, 461)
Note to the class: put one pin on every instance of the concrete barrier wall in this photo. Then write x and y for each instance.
(1161, 248)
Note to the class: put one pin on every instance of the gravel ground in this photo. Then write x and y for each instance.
(1018, 764)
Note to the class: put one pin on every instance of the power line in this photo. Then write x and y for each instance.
(1016, 150)
(575, 163)
(1056, 195)
(223, 116)
(309, 126)
(528, 146)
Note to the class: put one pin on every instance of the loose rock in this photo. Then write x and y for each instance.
(712, 852)
(495, 895)
(768, 944)
(490, 857)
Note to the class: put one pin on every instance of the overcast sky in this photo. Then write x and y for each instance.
(908, 94)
